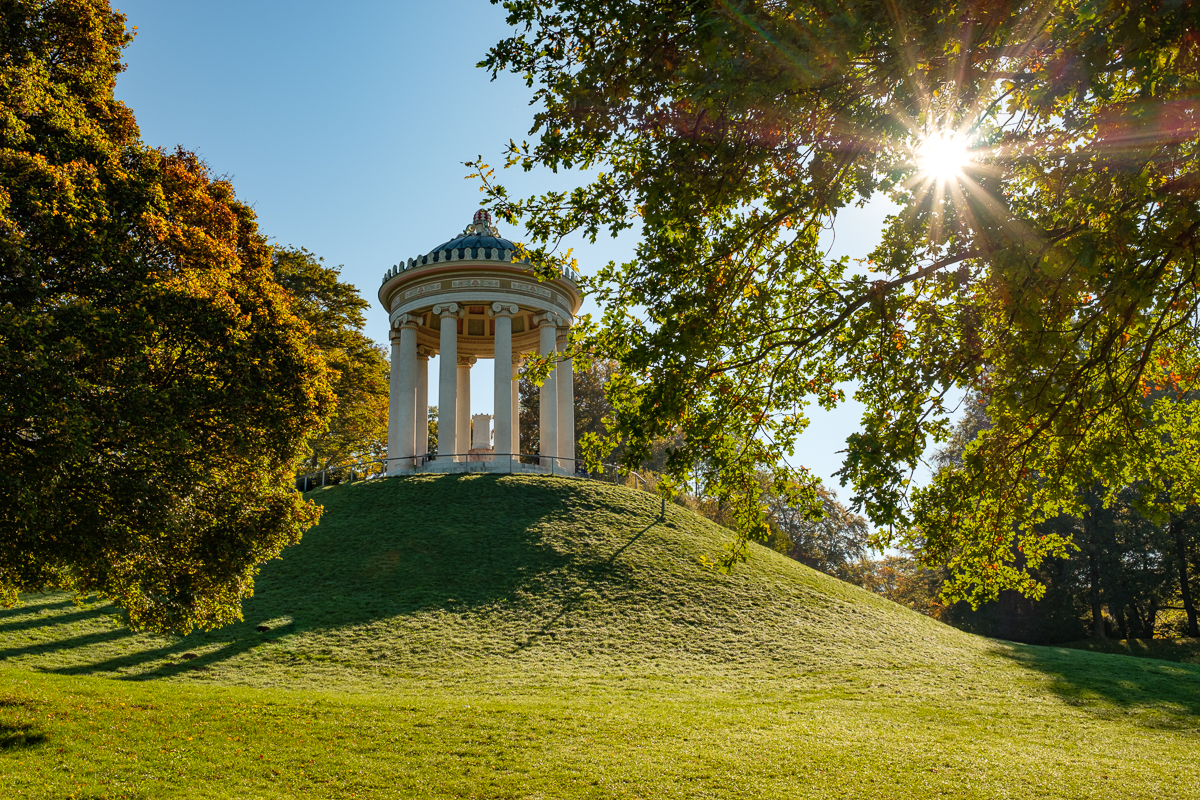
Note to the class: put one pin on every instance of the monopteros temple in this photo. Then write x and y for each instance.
(465, 300)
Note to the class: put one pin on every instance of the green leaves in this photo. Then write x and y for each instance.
(1055, 273)
(156, 386)
(357, 368)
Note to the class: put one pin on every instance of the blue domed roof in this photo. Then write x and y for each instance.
(479, 234)
(480, 241)
(475, 240)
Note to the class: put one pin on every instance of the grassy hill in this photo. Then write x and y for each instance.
(512, 575)
(509, 637)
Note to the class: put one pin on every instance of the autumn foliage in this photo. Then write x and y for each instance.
(155, 384)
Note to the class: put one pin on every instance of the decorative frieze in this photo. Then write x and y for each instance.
(469, 282)
(420, 290)
(532, 289)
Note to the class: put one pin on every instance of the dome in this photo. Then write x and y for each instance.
(479, 242)
(479, 234)
(475, 240)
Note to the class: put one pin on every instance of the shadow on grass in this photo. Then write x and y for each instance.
(65, 644)
(1106, 683)
(176, 664)
(1182, 650)
(597, 572)
(387, 548)
(57, 619)
(21, 609)
(20, 736)
(405, 545)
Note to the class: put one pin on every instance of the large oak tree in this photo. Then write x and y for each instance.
(357, 367)
(156, 387)
(1044, 157)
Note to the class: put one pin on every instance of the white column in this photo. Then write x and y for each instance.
(462, 423)
(517, 361)
(408, 392)
(548, 400)
(447, 377)
(422, 410)
(394, 394)
(565, 381)
(502, 384)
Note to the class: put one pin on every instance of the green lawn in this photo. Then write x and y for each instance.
(471, 636)
(1186, 651)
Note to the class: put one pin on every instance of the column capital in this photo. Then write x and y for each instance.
(518, 359)
(425, 353)
(502, 310)
(549, 318)
(406, 321)
(467, 361)
(449, 310)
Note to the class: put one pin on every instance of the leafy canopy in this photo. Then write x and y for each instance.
(357, 366)
(1043, 154)
(156, 387)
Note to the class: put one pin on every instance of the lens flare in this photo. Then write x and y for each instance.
(943, 156)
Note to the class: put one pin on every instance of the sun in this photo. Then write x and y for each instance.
(942, 156)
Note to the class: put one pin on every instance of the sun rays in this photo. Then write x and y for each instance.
(942, 156)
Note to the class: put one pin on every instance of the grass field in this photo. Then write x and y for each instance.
(1186, 651)
(468, 636)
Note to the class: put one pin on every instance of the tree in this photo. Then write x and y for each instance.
(834, 543)
(592, 409)
(357, 367)
(594, 427)
(903, 579)
(528, 393)
(1044, 156)
(155, 385)
(1183, 537)
(1128, 558)
(1167, 472)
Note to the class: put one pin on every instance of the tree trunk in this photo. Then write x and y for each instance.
(1185, 588)
(1118, 611)
(1089, 523)
(1137, 625)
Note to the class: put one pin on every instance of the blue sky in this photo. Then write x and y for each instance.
(346, 127)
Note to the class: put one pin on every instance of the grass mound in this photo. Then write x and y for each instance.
(471, 574)
(473, 636)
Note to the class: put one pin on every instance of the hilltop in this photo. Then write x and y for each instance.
(485, 574)
(481, 636)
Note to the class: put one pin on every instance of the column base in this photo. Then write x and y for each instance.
(480, 461)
